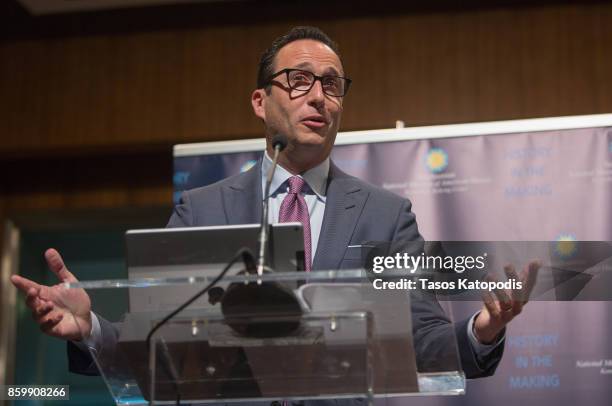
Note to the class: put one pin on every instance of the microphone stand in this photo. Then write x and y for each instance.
(254, 309)
(279, 144)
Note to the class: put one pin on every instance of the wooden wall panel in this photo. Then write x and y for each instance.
(103, 180)
(105, 197)
(171, 86)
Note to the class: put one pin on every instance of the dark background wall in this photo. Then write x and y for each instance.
(91, 103)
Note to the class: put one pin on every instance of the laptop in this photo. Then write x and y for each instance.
(201, 252)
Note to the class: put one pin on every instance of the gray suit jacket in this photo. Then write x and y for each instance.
(355, 212)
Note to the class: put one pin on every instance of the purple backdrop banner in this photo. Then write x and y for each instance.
(531, 185)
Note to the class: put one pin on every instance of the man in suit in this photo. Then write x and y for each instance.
(300, 89)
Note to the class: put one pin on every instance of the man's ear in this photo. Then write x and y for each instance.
(258, 101)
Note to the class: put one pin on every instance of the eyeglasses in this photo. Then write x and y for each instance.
(303, 80)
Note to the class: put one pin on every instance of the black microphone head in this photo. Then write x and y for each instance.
(279, 141)
(269, 309)
(249, 261)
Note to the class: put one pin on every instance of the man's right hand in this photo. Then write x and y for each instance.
(60, 312)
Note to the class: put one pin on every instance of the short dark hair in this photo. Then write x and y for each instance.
(296, 33)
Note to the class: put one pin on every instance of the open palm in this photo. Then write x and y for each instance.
(60, 312)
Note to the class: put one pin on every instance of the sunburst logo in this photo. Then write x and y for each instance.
(566, 246)
(248, 165)
(436, 160)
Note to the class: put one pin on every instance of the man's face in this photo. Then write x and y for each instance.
(309, 120)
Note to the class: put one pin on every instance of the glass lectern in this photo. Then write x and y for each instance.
(348, 340)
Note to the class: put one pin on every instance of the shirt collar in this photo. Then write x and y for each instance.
(315, 178)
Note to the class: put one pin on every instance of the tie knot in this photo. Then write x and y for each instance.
(296, 184)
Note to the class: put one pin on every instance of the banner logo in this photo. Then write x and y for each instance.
(248, 165)
(181, 178)
(436, 160)
(566, 246)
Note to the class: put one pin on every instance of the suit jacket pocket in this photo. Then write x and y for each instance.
(354, 257)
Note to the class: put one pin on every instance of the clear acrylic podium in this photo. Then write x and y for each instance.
(351, 341)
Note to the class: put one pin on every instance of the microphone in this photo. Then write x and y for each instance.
(267, 309)
(279, 142)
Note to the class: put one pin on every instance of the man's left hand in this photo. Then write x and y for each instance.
(498, 311)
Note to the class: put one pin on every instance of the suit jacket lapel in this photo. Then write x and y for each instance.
(242, 198)
(343, 208)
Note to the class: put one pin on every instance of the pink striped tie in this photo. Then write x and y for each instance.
(294, 208)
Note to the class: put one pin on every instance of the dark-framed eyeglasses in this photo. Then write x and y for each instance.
(302, 81)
